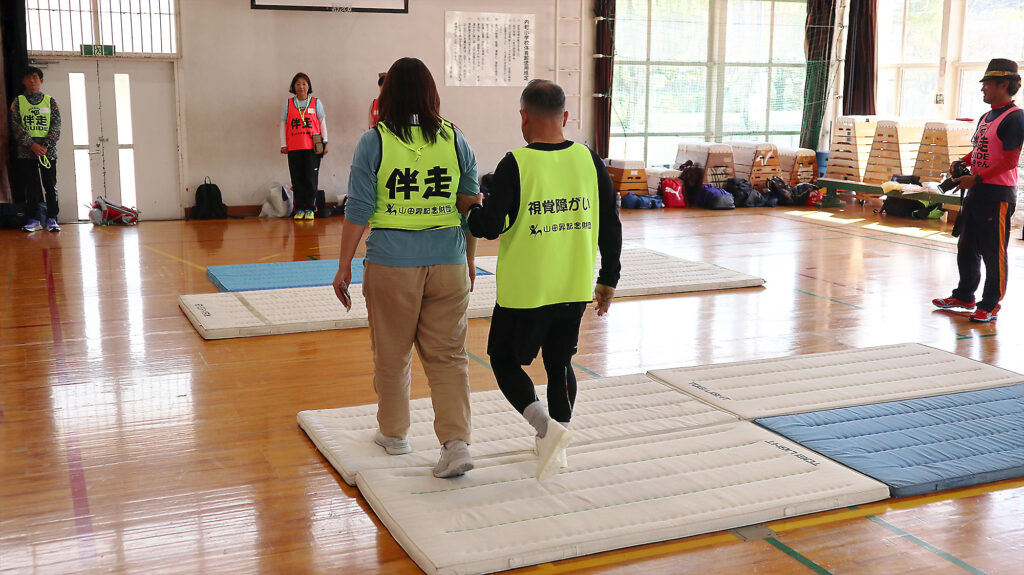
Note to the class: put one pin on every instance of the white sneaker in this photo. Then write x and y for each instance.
(563, 460)
(550, 449)
(454, 461)
(392, 445)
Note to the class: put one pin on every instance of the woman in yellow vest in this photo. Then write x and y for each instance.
(419, 269)
(35, 127)
(304, 139)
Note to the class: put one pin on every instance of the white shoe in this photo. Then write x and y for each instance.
(563, 460)
(392, 445)
(454, 461)
(550, 449)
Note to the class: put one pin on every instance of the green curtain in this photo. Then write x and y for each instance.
(819, 27)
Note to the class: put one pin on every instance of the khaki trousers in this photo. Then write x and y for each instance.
(423, 307)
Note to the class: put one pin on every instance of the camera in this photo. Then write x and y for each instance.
(959, 170)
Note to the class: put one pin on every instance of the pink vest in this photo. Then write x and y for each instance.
(301, 125)
(988, 150)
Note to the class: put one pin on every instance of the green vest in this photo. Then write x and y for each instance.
(547, 256)
(35, 117)
(417, 182)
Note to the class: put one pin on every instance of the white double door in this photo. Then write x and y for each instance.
(118, 136)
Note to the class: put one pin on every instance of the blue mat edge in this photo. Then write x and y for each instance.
(211, 275)
(917, 488)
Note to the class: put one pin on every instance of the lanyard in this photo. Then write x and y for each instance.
(302, 111)
(417, 151)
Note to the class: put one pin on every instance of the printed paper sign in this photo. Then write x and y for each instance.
(488, 49)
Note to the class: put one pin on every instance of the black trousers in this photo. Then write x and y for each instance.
(304, 167)
(984, 239)
(515, 338)
(40, 188)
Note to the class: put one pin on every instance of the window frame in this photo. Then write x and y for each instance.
(96, 27)
(715, 65)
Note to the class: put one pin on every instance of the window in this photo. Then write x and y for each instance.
(669, 85)
(909, 42)
(991, 29)
(131, 26)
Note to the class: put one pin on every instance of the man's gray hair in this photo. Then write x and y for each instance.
(543, 97)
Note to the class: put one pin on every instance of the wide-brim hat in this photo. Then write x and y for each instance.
(1000, 68)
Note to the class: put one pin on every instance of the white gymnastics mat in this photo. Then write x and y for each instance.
(801, 383)
(613, 407)
(647, 272)
(296, 310)
(615, 494)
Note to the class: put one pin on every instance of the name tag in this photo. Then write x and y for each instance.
(44, 110)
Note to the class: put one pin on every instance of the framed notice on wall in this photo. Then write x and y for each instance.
(488, 49)
(394, 6)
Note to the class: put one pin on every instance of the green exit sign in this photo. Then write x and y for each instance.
(97, 50)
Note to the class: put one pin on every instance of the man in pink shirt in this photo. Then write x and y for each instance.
(990, 199)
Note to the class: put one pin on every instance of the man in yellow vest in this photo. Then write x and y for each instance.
(553, 204)
(35, 127)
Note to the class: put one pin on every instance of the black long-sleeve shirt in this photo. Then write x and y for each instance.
(501, 209)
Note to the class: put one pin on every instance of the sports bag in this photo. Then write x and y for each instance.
(714, 198)
(633, 201)
(12, 216)
(104, 213)
(209, 203)
(778, 189)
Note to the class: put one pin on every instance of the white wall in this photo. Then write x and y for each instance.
(236, 64)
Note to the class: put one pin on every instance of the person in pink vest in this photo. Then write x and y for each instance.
(991, 196)
(303, 127)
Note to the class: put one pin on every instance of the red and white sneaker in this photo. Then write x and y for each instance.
(951, 302)
(984, 316)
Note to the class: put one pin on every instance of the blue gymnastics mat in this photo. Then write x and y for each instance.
(280, 275)
(920, 445)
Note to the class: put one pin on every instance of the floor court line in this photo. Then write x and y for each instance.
(797, 556)
(922, 543)
(76, 470)
(827, 298)
(781, 526)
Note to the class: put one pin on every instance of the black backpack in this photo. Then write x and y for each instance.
(777, 188)
(906, 208)
(741, 191)
(802, 192)
(12, 215)
(209, 204)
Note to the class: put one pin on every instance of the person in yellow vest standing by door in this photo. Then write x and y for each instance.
(553, 204)
(35, 125)
(304, 139)
(419, 269)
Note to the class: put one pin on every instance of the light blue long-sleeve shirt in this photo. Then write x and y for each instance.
(405, 248)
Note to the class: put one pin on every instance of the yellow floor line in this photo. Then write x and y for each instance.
(175, 258)
(893, 504)
(161, 252)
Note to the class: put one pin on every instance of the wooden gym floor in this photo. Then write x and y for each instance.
(129, 444)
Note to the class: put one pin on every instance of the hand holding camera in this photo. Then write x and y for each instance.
(957, 170)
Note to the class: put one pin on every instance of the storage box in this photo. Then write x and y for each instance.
(628, 175)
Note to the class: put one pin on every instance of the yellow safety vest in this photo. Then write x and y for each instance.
(35, 117)
(547, 256)
(417, 182)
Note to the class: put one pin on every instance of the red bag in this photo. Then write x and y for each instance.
(672, 193)
(814, 198)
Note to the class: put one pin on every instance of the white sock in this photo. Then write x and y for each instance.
(538, 417)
